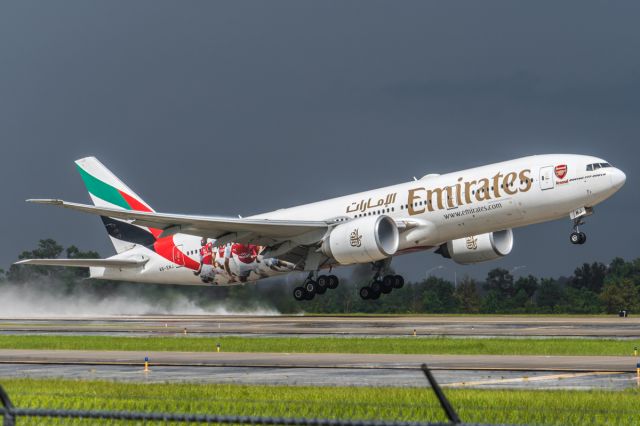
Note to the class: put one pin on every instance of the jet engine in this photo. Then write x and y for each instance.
(362, 240)
(478, 248)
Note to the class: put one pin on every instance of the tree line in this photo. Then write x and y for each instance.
(593, 288)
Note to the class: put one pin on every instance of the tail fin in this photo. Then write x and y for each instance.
(106, 190)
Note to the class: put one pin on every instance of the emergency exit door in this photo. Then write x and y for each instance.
(546, 178)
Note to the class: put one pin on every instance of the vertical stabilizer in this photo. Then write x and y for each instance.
(106, 190)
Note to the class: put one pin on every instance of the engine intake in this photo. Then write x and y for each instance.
(362, 240)
(478, 248)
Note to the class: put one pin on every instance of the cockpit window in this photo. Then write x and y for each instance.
(596, 166)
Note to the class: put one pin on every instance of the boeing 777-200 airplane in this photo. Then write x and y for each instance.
(466, 216)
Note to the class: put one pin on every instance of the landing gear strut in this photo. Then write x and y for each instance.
(379, 284)
(319, 286)
(576, 236)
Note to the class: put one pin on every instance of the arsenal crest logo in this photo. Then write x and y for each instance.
(561, 171)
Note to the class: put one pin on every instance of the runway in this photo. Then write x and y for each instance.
(505, 326)
(488, 379)
(324, 360)
(477, 371)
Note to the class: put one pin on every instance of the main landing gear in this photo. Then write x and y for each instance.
(576, 236)
(381, 285)
(320, 286)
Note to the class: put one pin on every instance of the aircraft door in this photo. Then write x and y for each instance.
(178, 256)
(546, 178)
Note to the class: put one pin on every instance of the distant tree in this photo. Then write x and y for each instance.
(549, 295)
(438, 296)
(500, 281)
(467, 297)
(582, 301)
(528, 284)
(491, 303)
(620, 294)
(589, 276)
(47, 249)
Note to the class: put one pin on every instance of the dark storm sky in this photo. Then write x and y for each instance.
(242, 107)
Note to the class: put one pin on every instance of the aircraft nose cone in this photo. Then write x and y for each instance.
(618, 178)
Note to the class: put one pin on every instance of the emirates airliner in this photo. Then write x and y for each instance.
(465, 216)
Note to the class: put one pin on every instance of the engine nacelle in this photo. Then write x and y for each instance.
(478, 248)
(362, 240)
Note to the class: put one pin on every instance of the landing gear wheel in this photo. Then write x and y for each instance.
(365, 293)
(376, 287)
(575, 238)
(308, 296)
(322, 284)
(299, 294)
(387, 284)
(333, 282)
(311, 287)
(398, 281)
(583, 237)
(375, 295)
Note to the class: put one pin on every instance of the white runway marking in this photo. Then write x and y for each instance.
(502, 381)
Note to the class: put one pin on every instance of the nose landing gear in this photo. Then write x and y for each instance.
(576, 236)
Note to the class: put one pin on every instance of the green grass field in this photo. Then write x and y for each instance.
(410, 404)
(385, 345)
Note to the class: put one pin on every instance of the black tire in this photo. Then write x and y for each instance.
(387, 284)
(376, 287)
(322, 282)
(321, 290)
(583, 238)
(333, 282)
(310, 286)
(375, 295)
(299, 293)
(365, 293)
(574, 238)
(398, 281)
(308, 296)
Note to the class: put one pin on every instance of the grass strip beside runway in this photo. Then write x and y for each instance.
(384, 345)
(402, 404)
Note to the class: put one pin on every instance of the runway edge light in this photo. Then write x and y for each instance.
(146, 364)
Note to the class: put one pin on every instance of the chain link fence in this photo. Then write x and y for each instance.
(40, 407)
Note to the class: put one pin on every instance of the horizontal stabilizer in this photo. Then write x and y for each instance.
(86, 263)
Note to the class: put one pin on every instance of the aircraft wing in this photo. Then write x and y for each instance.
(86, 263)
(220, 228)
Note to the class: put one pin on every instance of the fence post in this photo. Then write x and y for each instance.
(444, 402)
(9, 419)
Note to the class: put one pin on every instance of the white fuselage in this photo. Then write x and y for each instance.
(440, 208)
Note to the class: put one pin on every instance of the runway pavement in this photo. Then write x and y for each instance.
(319, 361)
(326, 377)
(482, 371)
(507, 326)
